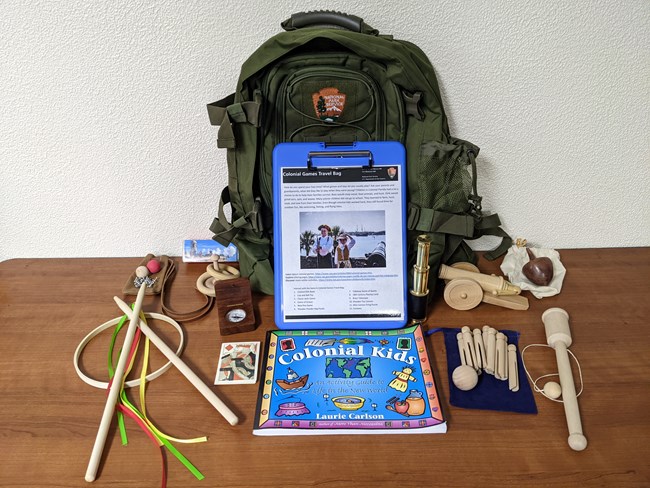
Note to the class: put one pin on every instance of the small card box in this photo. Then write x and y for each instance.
(234, 305)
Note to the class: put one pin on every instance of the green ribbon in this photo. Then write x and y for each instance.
(123, 398)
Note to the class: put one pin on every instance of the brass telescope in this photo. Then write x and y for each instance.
(419, 293)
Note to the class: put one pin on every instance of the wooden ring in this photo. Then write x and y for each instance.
(226, 273)
(205, 284)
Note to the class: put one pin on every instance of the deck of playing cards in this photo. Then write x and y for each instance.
(237, 363)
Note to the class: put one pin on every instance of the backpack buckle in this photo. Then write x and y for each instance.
(476, 209)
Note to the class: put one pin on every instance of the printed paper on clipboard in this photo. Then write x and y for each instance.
(339, 235)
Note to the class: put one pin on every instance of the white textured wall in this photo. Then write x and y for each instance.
(106, 149)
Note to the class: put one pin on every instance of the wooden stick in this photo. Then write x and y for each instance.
(111, 400)
(182, 367)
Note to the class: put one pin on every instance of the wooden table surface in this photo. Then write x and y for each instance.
(49, 417)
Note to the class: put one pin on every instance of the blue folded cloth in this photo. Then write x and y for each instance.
(490, 393)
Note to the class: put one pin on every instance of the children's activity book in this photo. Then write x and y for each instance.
(347, 382)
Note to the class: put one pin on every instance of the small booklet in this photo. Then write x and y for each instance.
(347, 382)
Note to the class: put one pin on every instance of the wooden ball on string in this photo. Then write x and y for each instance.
(552, 390)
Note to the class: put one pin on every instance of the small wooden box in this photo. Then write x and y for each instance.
(234, 304)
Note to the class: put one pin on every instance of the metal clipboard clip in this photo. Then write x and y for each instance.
(340, 154)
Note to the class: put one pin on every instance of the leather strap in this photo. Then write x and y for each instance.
(182, 316)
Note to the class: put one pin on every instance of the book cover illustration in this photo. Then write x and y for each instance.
(347, 381)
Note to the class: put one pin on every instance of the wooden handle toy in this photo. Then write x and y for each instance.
(191, 376)
(111, 400)
(558, 336)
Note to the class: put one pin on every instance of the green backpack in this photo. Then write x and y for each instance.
(332, 78)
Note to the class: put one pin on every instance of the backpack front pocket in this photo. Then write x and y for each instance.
(330, 105)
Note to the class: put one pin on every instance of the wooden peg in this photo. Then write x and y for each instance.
(513, 370)
(469, 346)
(491, 351)
(461, 349)
(485, 338)
(500, 371)
(505, 357)
(480, 350)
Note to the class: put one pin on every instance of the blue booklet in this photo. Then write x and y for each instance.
(339, 235)
(347, 382)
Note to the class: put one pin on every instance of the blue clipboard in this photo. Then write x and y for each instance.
(339, 213)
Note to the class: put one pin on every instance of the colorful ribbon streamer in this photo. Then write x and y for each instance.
(125, 407)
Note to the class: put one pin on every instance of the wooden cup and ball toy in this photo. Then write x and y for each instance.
(558, 336)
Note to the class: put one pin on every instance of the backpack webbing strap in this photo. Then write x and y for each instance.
(429, 220)
(490, 226)
(486, 224)
(224, 231)
(225, 112)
